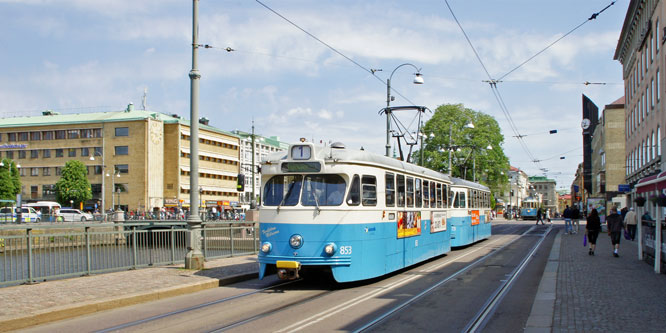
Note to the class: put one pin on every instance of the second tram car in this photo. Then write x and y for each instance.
(356, 214)
(469, 212)
(528, 208)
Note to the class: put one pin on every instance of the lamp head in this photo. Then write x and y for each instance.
(92, 158)
(470, 125)
(418, 79)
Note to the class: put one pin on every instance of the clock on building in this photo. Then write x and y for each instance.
(585, 124)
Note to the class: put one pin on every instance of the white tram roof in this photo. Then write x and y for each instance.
(466, 183)
(331, 153)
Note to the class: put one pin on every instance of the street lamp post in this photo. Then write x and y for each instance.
(194, 258)
(418, 79)
(92, 158)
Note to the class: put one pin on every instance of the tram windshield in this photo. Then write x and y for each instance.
(318, 190)
(283, 190)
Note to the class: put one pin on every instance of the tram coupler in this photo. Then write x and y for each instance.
(288, 270)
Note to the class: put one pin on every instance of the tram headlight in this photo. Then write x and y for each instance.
(266, 247)
(330, 249)
(296, 241)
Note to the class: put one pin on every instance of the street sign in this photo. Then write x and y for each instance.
(624, 188)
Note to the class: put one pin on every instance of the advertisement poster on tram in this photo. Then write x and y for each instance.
(438, 222)
(409, 224)
(475, 217)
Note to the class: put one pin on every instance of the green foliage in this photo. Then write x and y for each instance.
(10, 181)
(73, 184)
(448, 126)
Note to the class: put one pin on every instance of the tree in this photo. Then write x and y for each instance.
(73, 184)
(10, 181)
(469, 146)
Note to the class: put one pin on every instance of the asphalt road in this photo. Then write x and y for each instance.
(451, 289)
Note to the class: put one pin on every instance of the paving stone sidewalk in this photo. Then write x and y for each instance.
(604, 293)
(28, 305)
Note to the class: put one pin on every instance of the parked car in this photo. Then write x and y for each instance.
(72, 215)
(28, 214)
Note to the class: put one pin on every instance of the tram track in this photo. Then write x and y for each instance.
(479, 319)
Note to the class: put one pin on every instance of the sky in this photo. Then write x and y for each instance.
(79, 56)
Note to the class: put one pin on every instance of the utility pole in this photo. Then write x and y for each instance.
(252, 204)
(194, 258)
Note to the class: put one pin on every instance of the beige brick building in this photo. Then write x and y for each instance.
(608, 153)
(137, 160)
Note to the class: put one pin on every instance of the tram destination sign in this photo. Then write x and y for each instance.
(301, 167)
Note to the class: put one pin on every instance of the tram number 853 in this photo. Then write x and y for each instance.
(345, 250)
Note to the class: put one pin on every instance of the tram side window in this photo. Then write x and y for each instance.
(445, 195)
(323, 190)
(410, 192)
(282, 190)
(369, 191)
(439, 195)
(473, 199)
(390, 190)
(426, 193)
(432, 195)
(401, 190)
(354, 196)
(419, 195)
(463, 198)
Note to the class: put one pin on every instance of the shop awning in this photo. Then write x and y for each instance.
(652, 183)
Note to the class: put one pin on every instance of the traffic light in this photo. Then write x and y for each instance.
(240, 186)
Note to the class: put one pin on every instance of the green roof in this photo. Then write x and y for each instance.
(271, 141)
(540, 179)
(99, 117)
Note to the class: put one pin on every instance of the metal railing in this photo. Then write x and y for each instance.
(34, 253)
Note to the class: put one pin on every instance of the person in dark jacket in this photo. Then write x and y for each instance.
(575, 219)
(539, 216)
(567, 220)
(593, 228)
(615, 228)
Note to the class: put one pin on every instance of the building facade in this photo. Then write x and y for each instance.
(136, 160)
(262, 147)
(608, 153)
(639, 50)
(545, 189)
(518, 188)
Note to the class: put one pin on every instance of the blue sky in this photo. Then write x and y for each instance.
(82, 56)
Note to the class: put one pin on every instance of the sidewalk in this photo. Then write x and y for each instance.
(29, 305)
(600, 292)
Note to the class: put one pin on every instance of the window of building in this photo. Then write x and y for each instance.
(58, 171)
(85, 151)
(86, 133)
(10, 155)
(23, 136)
(22, 172)
(34, 153)
(46, 171)
(122, 188)
(97, 132)
(47, 135)
(96, 190)
(122, 168)
(652, 97)
(122, 131)
(98, 169)
(59, 152)
(656, 86)
(98, 151)
(61, 134)
(71, 152)
(656, 36)
(35, 136)
(21, 154)
(122, 150)
(48, 190)
(73, 134)
(34, 172)
(653, 144)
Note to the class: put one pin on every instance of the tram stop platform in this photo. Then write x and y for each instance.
(577, 292)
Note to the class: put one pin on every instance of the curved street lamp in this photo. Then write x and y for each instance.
(418, 79)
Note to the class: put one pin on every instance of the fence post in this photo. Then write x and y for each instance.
(204, 241)
(88, 259)
(134, 247)
(231, 237)
(29, 246)
(254, 237)
(173, 246)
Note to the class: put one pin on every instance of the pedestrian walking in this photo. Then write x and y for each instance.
(567, 220)
(539, 216)
(548, 216)
(593, 227)
(630, 221)
(575, 219)
(615, 227)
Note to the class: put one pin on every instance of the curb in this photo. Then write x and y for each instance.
(66, 312)
(541, 315)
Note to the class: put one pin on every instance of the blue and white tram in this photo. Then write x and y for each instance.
(469, 212)
(359, 215)
(529, 207)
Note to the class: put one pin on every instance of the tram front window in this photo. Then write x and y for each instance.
(323, 190)
(282, 190)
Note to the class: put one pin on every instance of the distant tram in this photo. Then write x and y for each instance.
(360, 215)
(529, 207)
